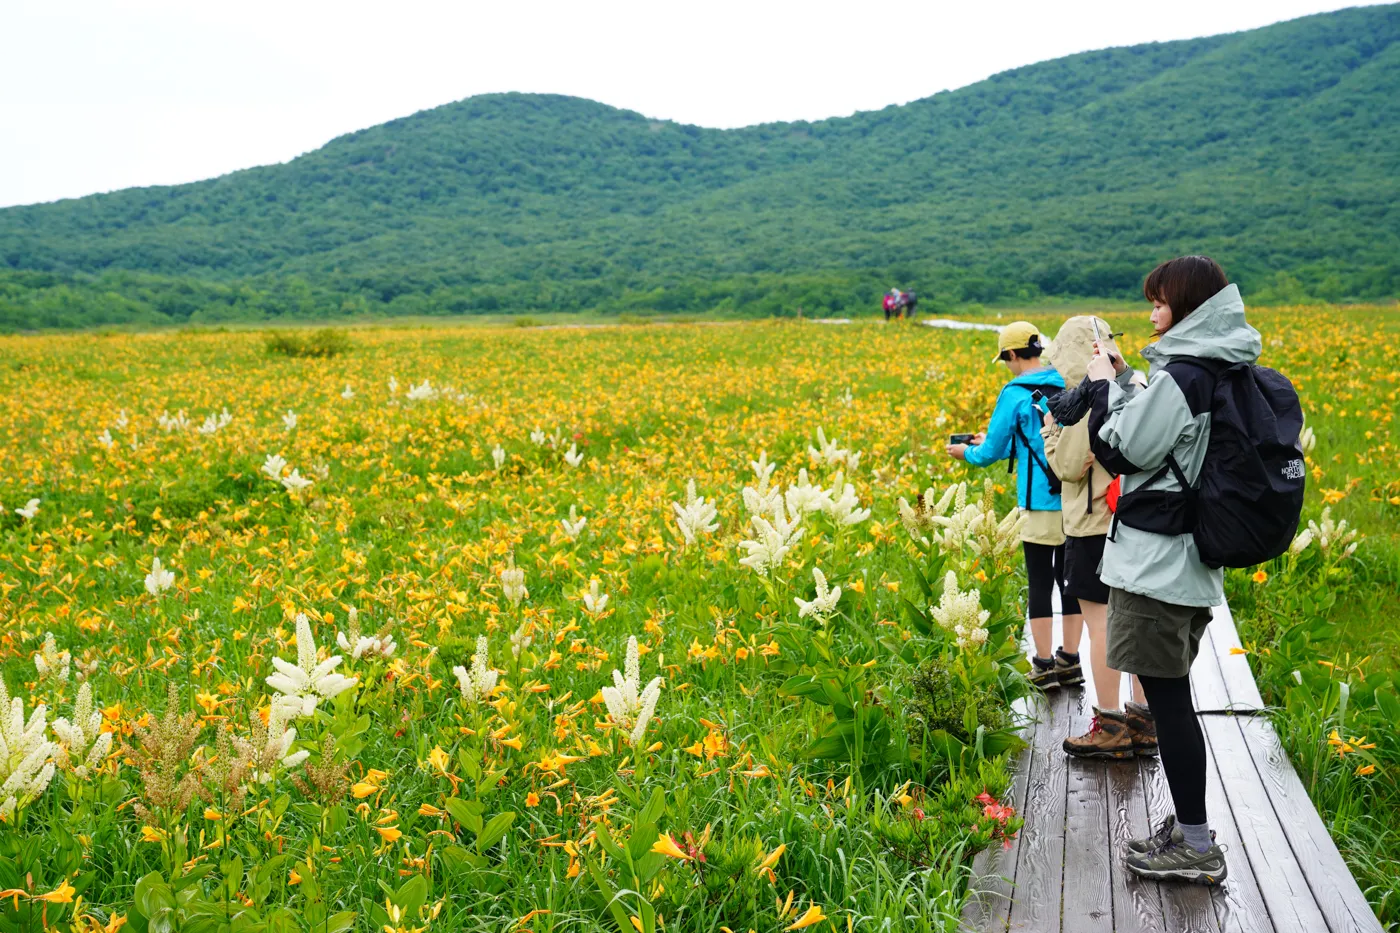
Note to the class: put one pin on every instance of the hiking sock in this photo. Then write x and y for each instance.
(1197, 835)
(1071, 658)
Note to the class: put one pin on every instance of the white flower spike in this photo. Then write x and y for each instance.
(25, 765)
(821, 607)
(573, 524)
(479, 683)
(697, 517)
(593, 599)
(630, 707)
(301, 686)
(50, 662)
(83, 743)
(159, 579)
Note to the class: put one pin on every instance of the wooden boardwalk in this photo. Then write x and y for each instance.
(1065, 871)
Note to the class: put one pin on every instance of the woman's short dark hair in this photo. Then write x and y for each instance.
(1184, 284)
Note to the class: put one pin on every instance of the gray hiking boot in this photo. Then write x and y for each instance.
(1168, 833)
(1176, 861)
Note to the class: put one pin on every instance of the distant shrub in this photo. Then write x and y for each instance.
(326, 342)
(525, 321)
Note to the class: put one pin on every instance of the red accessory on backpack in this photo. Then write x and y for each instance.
(1111, 494)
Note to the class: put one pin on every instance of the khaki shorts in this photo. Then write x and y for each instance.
(1149, 637)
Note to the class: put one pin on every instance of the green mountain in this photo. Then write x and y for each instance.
(1276, 151)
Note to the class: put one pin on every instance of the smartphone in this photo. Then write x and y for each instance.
(961, 438)
(1098, 337)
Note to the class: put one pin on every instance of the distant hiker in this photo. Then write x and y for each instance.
(1014, 434)
(899, 304)
(907, 304)
(1212, 476)
(1084, 484)
(891, 302)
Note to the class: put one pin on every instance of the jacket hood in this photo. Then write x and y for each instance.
(1073, 347)
(1047, 376)
(1215, 331)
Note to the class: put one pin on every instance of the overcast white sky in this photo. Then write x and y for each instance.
(97, 95)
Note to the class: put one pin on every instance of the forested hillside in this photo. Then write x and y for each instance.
(1276, 150)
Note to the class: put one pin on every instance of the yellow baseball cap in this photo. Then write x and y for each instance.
(1018, 335)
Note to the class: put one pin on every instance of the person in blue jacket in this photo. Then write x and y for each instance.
(1014, 434)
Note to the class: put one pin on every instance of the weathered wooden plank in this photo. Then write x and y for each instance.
(1185, 907)
(994, 869)
(1282, 884)
(1035, 904)
(1137, 903)
(1239, 904)
(1088, 901)
(1335, 890)
(1234, 668)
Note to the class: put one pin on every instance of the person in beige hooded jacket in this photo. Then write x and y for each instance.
(1084, 488)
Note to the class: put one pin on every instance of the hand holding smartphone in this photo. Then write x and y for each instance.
(961, 438)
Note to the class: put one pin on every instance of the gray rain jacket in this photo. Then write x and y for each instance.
(1133, 430)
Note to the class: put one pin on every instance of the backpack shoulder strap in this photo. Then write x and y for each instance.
(1196, 378)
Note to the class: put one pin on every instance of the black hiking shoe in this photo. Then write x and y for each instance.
(1044, 674)
(1067, 668)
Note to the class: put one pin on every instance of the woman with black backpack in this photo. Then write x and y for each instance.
(1160, 590)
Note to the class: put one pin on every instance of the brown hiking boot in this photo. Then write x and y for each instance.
(1143, 727)
(1108, 737)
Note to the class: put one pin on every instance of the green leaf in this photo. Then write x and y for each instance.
(1388, 703)
(494, 830)
(153, 895)
(412, 895)
(466, 812)
(340, 923)
(654, 810)
(609, 844)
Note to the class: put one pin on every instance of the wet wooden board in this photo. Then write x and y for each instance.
(1337, 894)
(1282, 884)
(1239, 905)
(1137, 903)
(1036, 899)
(1234, 668)
(1066, 873)
(1089, 908)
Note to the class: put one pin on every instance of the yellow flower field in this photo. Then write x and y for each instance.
(476, 521)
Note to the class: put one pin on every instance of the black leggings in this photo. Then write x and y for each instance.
(1180, 743)
(1045, 570)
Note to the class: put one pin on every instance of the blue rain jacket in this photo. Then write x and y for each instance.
(1014, 409)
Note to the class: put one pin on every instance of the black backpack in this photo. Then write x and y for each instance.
(1246, 507)
(1035, 460)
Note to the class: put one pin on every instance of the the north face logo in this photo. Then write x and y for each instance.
(1293, 469)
